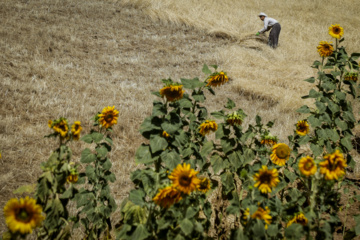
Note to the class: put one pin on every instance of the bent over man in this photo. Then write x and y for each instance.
(270, 23)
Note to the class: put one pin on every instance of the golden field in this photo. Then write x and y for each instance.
(65, 58)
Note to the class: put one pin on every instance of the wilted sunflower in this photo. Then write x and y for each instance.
(263, 214)
(302, 128)
(325, 49)
(108, 116)
(266, 179)
(281, 153)
(336, 31)
(165, 134)
(204, 184)
(172, 92)
(298, 218)
(334, 166)
(167, 197)
(234, 119)
(307, 166)
(269, 140)
(208, 126)
(22, 216)
(217, 79)
(61, 126)
(184, 178)
(76, 129)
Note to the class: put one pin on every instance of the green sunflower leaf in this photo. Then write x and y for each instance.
(206, 70)
(87, 138)
(216, 163)
(207, 148)
(97, 137)
(227, 181)
(303, 109)
(192, 83)
(310, 80)
(143, 155)
(186, 226)
(230, 104)
(140, 233)
(87, 156)
(171, 159)
(158, 143)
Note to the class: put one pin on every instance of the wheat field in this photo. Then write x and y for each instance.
(66, 58)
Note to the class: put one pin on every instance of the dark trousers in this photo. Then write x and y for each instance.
(274, 35)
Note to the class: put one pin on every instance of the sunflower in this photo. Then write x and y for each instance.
(217, 79)
(50, 122)
(307, 166)
(325, 49)
(172, 92)
(334, 166)
(281, 153)
(208, 126)
(234, 119)
(184, 178)
(245, 216)
(23, 215)
(266, 179)
(72, 178)
(108, 116)
(76, 129)
(263, 214)
(61, 126)
(165, 134)
(269, 140)
(298, 218)
(204, 184)
(336, 31)
(302, 128)
(167, 197)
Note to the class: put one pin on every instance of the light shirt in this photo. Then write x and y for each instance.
(268, 23)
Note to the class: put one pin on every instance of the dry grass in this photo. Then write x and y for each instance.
(72, 58)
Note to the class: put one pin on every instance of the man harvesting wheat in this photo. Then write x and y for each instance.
(270, 23)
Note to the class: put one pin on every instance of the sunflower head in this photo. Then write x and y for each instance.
(266, 179)
(234, 118)
(302, 128)
(22, 216)
(269, 140)
(167, 196)
(217, 79)
(184, 178)
(204, 184)
(60, 126)
(263, 214)
(325, 49)
(280, 154)
(108, 117)
(333, 166)
(172, 92)
(336, 31)
(76, 129)
(207, 126)
(298, 218)
(307, 166)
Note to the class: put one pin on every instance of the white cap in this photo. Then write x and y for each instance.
(262, 14)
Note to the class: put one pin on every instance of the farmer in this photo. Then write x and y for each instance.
(270, 23)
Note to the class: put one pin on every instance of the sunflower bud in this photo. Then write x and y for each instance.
(269, 140)
(351, 76)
